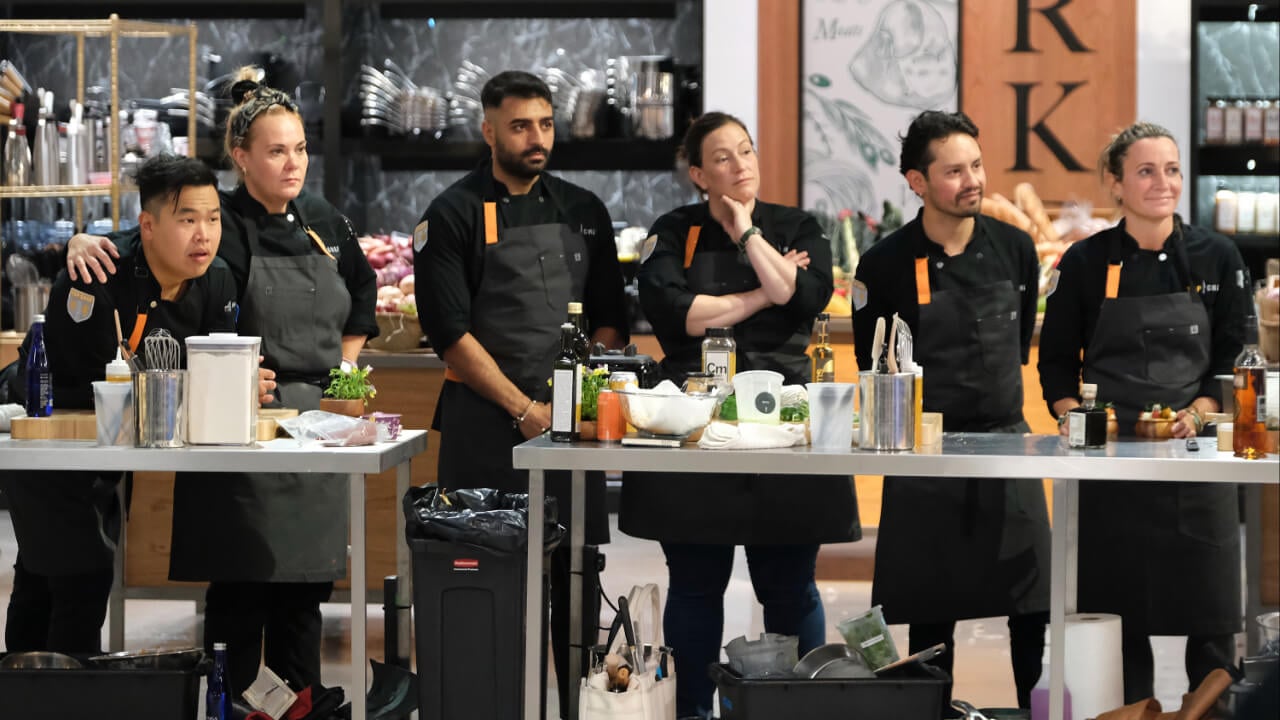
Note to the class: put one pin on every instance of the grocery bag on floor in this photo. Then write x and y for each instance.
(632, 676)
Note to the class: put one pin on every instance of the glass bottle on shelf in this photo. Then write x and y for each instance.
(1224, 210)
(1246, 212)
(1214, 121)
(1271, 122)
(1253, 117)
(17, 152)
(1233, 126)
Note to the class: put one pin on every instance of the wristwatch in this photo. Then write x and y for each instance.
(742, 241)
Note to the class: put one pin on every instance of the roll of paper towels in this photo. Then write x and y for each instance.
(1094, 671)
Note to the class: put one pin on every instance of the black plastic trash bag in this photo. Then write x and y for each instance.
(477, 516)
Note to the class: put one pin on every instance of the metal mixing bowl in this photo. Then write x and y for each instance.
(39, 660)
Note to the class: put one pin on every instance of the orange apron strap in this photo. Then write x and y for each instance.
(691, 244)
(320, 244)
(490, 223)
(923, 297)
(449, 374)
(135, 337)
(1113, 282)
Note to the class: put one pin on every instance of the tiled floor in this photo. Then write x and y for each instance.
(982, 652)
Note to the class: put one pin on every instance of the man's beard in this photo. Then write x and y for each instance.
(518, 165)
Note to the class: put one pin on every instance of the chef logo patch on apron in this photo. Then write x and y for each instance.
(858, 294)
(1053, 282)
(79, 305)
(420, 236)
(647, 247)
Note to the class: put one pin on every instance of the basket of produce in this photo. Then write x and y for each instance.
(391, 257)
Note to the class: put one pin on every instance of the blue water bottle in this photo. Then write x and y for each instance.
(39, 379)
(216, 702)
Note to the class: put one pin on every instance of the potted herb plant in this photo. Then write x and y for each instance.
(349, 390)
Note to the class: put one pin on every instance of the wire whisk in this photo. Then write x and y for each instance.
(162, 350)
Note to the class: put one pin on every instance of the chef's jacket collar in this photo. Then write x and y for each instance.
(495, 189)
(249, 207)
(925, 247)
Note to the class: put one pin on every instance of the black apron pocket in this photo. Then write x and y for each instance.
(556, 282)
(1166, 363)
(996, 335)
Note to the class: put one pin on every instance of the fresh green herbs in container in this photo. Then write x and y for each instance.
(869, 636)
(349, 390)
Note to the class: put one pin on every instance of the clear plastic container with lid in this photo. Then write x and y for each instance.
(719, 353)
(222, 400)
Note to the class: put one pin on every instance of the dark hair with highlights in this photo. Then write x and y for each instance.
(928, 126)
(164, 177)
(513, 83)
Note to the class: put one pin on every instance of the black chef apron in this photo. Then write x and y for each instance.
(740, 509)
(531, 274)
(1164, 556)
(948, 548)
(274, 527)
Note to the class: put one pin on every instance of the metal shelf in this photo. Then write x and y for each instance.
(1235, 159)
(54, 191)
(95, 28)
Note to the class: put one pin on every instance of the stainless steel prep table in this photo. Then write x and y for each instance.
(275, 456)
(963, 455)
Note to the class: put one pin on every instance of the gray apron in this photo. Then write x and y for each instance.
(531, 274)
(740, 509)
(274, 527)
(950, 549)
(1164, 556)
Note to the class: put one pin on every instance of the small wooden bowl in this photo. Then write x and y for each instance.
(1162, 428)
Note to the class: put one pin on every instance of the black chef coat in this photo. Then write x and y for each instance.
(742, 509)
(449, 250)
(1218, 275)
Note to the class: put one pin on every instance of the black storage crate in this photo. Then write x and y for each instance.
(99, 694)
(468, 606)
(916, 692)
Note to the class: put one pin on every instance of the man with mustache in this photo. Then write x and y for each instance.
(967, 285)
(498, 256)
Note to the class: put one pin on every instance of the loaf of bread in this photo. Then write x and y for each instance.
(1028, 202)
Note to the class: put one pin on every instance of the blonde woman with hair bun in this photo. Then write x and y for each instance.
(271, 544)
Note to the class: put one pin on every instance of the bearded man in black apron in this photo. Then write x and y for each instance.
(949, 549)
(498, 256)
(1158, 309)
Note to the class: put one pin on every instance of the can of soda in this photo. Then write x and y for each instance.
(623, 380)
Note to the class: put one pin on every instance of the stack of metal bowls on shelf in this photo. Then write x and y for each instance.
(465, 108)
(390, 100)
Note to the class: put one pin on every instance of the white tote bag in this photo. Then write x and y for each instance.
(651, 692)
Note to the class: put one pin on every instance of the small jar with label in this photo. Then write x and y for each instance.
(1233, 125)
(1254, 110)
(719, 353)
(1224, 211)
(1268, 222)
(1271, 122)
(1246, 212)
(1214, 121)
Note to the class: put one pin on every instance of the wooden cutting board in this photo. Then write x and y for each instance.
(61, 425)
(267, 425)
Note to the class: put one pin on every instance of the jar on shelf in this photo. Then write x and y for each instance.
(1271, 122)
(1268, 212)
(1246, 212)
(1224, 211)
(1214, 121)
(1253, 116)
(1233, 124)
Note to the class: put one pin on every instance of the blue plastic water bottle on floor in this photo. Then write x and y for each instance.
(217, 704)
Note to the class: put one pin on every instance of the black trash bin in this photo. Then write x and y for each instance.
(469, 567)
